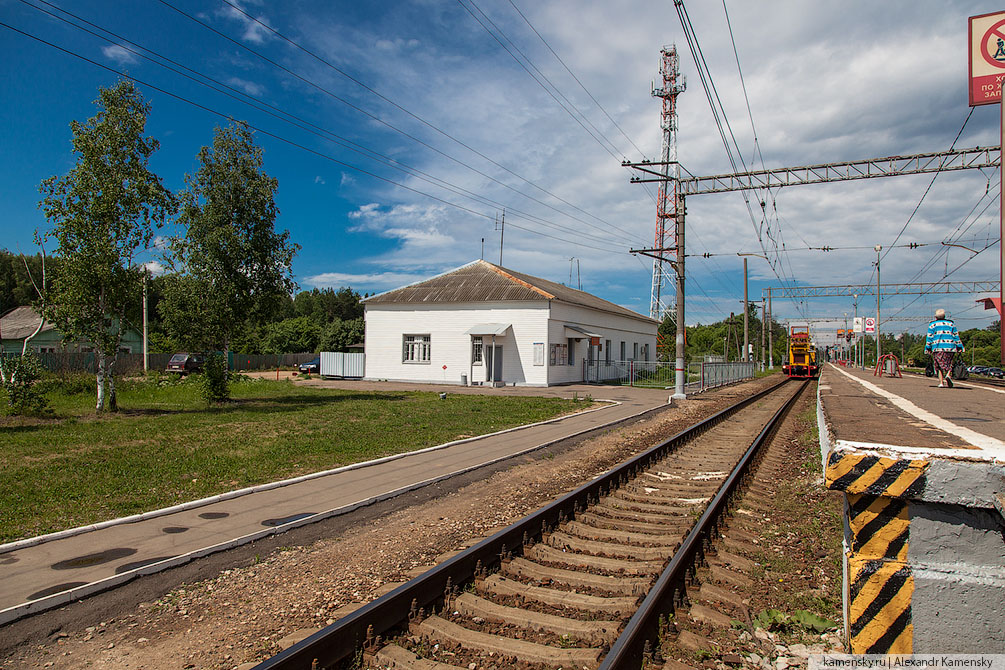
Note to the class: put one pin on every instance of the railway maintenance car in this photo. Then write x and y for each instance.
(802, 360)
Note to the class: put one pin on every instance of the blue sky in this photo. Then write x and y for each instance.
(847, 81)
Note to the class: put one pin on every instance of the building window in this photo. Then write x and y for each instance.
(572, 352)
(622, 352)
(47, 350)
(635, 351)
(416, 349)
(476, 350)
(645, 351)
(559, 354)
(607, 352)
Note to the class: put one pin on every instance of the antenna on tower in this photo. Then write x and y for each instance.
(669, 243)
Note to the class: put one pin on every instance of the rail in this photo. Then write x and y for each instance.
(341, 639)
(630, 647)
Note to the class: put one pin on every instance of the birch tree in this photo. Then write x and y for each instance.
(103, 213)
(234, 265)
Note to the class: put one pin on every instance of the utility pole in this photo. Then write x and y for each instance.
(763, 322)
(483, 249)
(879, 346)
(146, 348)
(746, 316)
(771, 346)
(857, 338)
(502, 231)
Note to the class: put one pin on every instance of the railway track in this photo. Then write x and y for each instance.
(582, 582)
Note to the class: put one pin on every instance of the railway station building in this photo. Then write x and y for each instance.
(485, 324)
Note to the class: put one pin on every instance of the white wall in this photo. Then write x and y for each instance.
(613, 327)
(447, 326)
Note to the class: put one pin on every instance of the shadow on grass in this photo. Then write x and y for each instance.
(255, 405)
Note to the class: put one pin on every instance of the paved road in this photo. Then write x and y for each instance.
(51, 573)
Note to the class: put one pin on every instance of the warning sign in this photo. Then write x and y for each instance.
(987, 58)
(870, 324)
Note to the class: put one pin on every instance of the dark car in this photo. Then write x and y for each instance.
(311, 367)
(184, 363)
(998, 373)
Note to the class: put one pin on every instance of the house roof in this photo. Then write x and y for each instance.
(21, 322)
(481, 281)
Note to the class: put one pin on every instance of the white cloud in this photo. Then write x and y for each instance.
(377, 281)
(249, 87)
(254, 31)
(119, 54)
(319, 180)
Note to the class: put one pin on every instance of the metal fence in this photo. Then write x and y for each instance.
(662, 374)
(338, 364)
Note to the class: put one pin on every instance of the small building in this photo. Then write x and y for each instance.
(21, 322)
(483, 323)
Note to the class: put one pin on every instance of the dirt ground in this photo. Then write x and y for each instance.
(242, 607)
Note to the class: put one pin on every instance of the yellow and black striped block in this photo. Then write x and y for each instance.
(855, 472)
(879, 607)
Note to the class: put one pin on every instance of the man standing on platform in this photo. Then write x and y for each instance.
(943, 342)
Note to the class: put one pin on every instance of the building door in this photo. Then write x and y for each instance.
(494, 361)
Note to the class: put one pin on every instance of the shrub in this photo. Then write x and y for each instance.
(215, 385)
(23, 395)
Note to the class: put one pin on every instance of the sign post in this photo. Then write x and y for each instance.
(986, 37)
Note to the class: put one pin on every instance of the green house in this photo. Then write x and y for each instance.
(21, 322)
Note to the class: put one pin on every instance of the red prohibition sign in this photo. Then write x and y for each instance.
(995, 30)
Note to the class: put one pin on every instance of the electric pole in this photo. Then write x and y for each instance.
(746, 316)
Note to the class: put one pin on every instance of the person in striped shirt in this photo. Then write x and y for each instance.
(943, 342)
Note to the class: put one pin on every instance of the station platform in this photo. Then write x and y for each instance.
(922, 469)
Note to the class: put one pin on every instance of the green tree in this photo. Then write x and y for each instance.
(291, 336)
(235, 264)
(103, 213)
(340, 335)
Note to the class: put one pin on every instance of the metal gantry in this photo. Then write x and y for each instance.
(856, 290)
(870, 168)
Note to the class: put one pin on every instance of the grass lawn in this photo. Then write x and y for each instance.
(166, 447)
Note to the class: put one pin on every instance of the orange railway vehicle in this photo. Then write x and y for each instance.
(802, 360)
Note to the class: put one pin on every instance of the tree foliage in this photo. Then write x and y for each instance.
(233, 261)
(103, 213)
(340, 335)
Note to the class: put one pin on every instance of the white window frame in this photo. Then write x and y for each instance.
(477, 350)
(416, 349)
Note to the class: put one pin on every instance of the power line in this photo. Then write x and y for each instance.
(391, 102)
(299, 122)
(285, 140)
(581, 85)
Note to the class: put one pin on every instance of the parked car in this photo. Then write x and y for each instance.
(184, 363)
(997, 373)
(311, 367)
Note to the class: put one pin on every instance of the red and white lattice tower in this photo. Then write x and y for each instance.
(667, 252)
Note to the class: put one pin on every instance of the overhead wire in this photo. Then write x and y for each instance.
(723, 127)
(396, 105)
(297, 121)
(581, 85)
(285, 140)
(553, 92)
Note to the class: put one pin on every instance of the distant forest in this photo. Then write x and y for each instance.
(309, 321)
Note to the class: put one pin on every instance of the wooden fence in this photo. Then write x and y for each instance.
(127, 364)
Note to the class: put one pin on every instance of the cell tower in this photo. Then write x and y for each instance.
(667, 249)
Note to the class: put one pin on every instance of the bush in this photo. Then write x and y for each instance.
(215, 385)
(24, 396)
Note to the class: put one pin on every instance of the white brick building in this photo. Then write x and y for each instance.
(482, 323)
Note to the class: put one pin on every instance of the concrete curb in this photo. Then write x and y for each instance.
(193, 504)
(49, 602)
